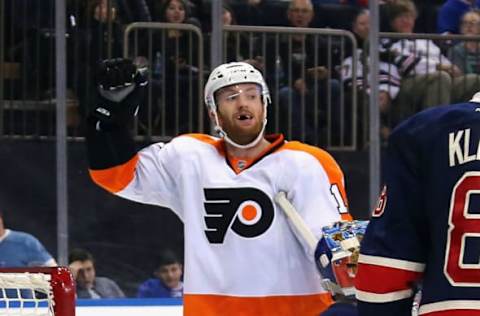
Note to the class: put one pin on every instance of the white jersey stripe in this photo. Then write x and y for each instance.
(449, 305)
(384, 297)
(392, 263)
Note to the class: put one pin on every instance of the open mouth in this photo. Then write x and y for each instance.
(244, 117)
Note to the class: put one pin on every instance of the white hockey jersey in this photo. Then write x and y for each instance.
(417, 57)
(241, 255)
(389, 78)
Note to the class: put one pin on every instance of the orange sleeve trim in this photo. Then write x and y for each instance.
(116, 178)
(288, 305)
(334, 173)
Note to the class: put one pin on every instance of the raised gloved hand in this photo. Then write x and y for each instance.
(121, 88)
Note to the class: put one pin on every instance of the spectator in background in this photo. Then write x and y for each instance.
(167, 280)
(174, 60)
(237, 45)
(232, 51)
(88, 285)
(20, 249)
(104, 18)
(450, 14)
(309, 78)
(466, 54)
(158, 9)
(389, 78)
(228, 17)
(427, 75)
(100, 36)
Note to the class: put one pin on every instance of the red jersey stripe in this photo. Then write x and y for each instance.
(379, 279)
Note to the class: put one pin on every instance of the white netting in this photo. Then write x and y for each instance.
(26, 294)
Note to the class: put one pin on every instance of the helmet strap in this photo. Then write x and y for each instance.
(224, 134)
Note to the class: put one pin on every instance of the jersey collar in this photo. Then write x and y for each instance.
(238, 164)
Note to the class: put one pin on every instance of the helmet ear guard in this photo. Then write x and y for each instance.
(337, 254)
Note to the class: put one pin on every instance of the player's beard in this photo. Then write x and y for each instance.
(242, 135)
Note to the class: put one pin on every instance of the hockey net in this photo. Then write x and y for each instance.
(45, 291)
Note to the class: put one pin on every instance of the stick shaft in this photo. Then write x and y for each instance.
(296, 220)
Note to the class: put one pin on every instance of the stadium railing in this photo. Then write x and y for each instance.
(176, 75)
(175, 102)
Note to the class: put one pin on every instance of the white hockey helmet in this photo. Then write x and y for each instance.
(231, 74)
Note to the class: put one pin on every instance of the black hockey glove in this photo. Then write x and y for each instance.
(120, 91)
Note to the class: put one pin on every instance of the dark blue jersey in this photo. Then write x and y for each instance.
(426, 227)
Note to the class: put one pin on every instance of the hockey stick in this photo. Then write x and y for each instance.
(297, 220)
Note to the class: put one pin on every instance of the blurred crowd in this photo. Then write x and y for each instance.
(305, 70)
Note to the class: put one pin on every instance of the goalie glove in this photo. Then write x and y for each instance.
(120, 90)
(337, 255)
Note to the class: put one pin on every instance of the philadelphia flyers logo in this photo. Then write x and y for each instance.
(248, 212)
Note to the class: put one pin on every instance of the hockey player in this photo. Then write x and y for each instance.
(241, 255)
(426, 227)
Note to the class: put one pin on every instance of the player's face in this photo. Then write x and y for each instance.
(170, 274)
(240, 111)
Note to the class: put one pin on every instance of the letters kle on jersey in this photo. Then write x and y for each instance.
(426, 228)
(241, 255)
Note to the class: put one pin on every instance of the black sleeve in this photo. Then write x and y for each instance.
(109, 148)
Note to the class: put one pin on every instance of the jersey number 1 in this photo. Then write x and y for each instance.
(462, 225)
(341, 205)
